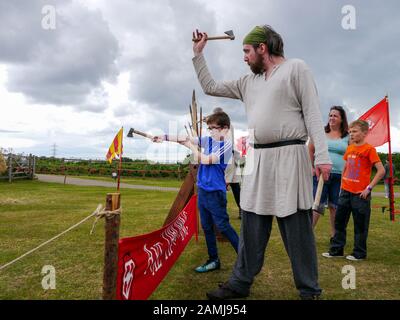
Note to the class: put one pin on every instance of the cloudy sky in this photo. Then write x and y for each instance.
(74, 80)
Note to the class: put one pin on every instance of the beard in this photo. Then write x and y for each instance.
(257, 67)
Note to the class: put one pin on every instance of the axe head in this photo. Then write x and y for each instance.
(130, 133)
(230, 34)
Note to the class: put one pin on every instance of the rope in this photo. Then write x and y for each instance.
(99, 213)
(104, 213)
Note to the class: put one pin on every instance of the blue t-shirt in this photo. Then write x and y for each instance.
(336, 149)
(211, 177)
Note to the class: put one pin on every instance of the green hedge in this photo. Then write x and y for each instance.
(104, 168)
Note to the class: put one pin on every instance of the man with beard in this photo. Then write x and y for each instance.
(282, 108)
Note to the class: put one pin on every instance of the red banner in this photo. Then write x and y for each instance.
(144, 261)
(377, 118)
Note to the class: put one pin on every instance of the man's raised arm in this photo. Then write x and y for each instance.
(228, 89)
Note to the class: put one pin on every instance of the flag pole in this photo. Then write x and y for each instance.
(119, 171)
(120, 160)
(391, 180)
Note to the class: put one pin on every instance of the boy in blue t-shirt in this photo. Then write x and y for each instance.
(215, 155)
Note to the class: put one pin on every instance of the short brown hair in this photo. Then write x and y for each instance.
(362, 124)
(221, 119)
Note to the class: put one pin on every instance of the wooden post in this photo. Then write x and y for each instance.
(10, 167)
(33, 167)
(179, 172)
(111, 247)
(29, 173)
(185, 193)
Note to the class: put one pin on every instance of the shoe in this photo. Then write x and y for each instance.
(225, 292)
(333, 255)
(210, 265)
(353, 258)
(330, 240)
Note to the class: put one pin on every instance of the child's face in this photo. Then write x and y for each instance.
(217, 132)
(357, 135)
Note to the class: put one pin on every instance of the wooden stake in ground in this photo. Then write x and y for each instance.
(111, 247)
(194, 112)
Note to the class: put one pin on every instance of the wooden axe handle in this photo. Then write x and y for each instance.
(317, 199)
(215, 38)
(143, 134)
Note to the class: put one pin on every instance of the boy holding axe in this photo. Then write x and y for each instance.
(217, 151)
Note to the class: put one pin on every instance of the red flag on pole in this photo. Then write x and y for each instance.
(144, 261)
(377, 118)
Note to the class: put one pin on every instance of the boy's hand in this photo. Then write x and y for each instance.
(185, 143)
(158, 139)
(365, 193)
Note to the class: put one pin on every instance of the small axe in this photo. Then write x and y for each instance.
(149, 136)
(132, 131)
(229, 35)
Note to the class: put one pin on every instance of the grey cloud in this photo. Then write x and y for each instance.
(60, 66)
(157, 43)
(351, 67)
(124, 110)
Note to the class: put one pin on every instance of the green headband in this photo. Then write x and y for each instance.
(256, 36)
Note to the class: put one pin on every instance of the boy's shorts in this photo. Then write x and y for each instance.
(330, 192)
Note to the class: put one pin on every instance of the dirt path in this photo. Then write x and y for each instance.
(98, 183)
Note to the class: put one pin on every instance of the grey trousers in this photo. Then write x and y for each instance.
(298, 238)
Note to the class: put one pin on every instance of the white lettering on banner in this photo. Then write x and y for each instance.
(180, 224)
(128, 278)
(154, 261)
(170, 235)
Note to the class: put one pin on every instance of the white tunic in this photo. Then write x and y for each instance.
(276, 181)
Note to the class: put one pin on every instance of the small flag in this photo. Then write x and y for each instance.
(115, 147)
(377, 118)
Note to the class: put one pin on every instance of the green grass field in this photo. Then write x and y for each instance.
(32, 212)
(163, 182)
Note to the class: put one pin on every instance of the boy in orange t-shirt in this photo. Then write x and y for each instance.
(355, 193)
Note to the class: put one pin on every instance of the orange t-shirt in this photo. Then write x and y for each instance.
(359, 162)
